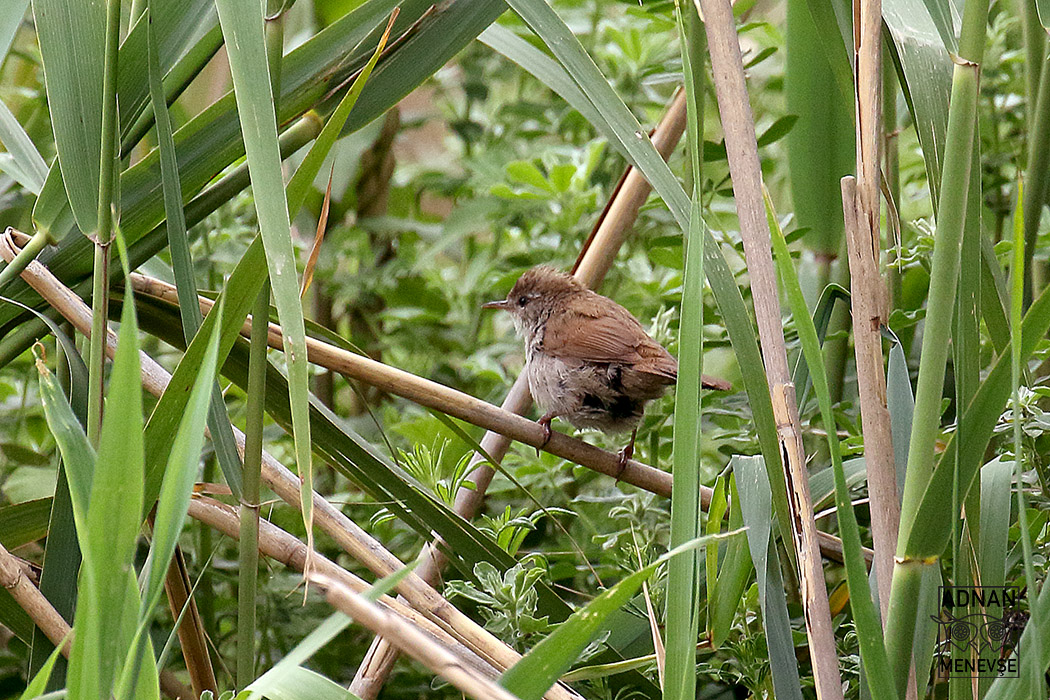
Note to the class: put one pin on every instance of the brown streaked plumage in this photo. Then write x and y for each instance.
(588, 360)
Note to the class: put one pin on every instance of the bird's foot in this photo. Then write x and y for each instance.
(625, 455)
(545, 423)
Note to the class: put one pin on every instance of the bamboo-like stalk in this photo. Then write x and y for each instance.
(13, 578)
(192, 640)
(346, 533)
(410, 640)
(103, 234)
(281, 546)
(248, 559)
(868, 292)
(901, 618)
(868, 295)
(738, 128)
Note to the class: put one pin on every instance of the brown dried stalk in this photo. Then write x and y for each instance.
(738, 127)
(409, 640)
(281, 546)
(868, 292)
(194, 645)
(14, 579)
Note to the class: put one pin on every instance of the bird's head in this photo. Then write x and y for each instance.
(535, 295)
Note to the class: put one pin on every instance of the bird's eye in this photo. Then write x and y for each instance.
(523, 300)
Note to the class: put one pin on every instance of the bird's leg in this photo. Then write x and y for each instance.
(626, 453)
(545, 423)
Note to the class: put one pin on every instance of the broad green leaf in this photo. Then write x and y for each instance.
(114, 518)
(822, 483)
(733, 575)
(300, 683)
(820, 146)
(72, 47)
(176, 26)
(996, 486)
(242, 26)
(22, 523)
(901, 404)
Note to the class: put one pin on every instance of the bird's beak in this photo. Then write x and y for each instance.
(499, 304)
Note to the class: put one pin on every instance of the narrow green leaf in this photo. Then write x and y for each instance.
(31, 165)
(179, 477)
(72, 46)
(724, 598)
(38, 685)
(114, 518)
(287, 668)
(546, 70)
(755, 504)
(683, 573)
(236, 299)
(10, 21)
(242, 25)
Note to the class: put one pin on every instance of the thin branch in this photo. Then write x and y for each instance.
(285, 548)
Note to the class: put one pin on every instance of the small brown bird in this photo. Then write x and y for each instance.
(587, 358)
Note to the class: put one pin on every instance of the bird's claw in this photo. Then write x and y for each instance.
(545, 423)
(625, 456)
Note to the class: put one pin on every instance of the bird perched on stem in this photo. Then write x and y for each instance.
(588, 360)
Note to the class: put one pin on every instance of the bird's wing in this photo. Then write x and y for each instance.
(607, 337)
